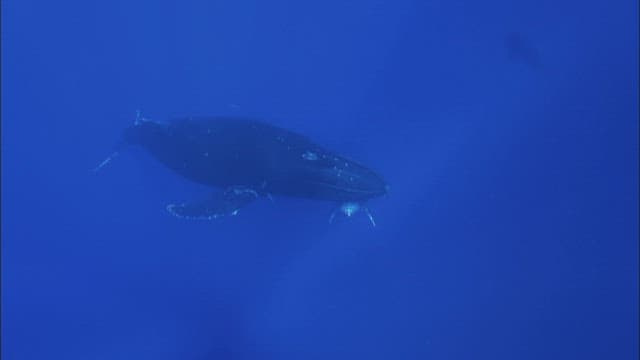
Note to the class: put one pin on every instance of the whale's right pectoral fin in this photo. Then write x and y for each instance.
(226, 203)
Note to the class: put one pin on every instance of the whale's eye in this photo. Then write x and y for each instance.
(310, 155)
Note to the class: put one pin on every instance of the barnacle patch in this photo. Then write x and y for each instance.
(310, 155)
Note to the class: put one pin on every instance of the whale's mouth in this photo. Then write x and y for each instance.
(350, 190)
(341, 188)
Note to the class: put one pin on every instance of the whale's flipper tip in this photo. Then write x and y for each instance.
(104, 162)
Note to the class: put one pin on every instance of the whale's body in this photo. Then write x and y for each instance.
(248, 158)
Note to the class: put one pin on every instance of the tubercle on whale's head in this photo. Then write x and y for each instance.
(366, 181)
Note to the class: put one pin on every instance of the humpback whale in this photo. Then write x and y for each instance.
(245, 159)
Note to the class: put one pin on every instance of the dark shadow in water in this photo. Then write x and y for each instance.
(521, 50)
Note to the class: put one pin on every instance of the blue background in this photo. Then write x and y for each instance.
(508, 132)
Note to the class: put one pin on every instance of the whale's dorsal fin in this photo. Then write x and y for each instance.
(226, 203)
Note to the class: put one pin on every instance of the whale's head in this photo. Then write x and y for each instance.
(337, 178)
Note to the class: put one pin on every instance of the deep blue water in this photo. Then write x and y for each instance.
(508, 132)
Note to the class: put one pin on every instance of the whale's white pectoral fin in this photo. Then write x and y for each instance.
(105, 162)
(373, 222)
(333, 215)
(226, 203)
(139, 119)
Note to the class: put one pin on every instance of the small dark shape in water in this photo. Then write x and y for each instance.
(520, 49)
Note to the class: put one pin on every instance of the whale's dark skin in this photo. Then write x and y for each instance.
(249, 158)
